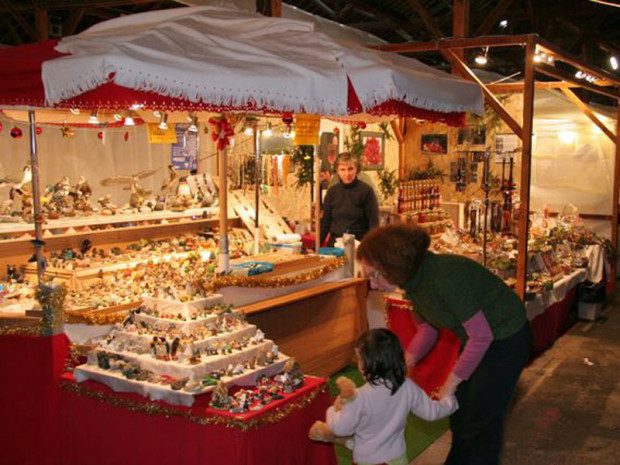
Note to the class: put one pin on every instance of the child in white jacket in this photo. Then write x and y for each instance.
(377, 414)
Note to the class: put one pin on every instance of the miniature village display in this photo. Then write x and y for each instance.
(172, 351)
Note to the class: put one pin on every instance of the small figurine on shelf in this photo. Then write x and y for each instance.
(138, 193)
(220, 399)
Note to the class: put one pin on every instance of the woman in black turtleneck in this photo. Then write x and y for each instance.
(349, 206)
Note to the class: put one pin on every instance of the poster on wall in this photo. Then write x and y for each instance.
(373, 153)
(506, 147)
(185, 152)
(434, 144)
(472, 135)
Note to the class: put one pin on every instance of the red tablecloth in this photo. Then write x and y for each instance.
(431, 373)
(552, 323)
(29, 398)
(99, 432)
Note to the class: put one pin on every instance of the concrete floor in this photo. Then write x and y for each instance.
(567, 408)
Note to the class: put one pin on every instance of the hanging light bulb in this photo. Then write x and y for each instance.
(482, 59)
(194, 126)
(613, 61)
(503, 23)
(268, 132)
(129, 119)
(248, 131)
(93, 118)
(163, 123)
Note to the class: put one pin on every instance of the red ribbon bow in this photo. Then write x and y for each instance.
(222, 132)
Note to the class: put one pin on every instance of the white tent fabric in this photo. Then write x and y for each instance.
(572, 160)
(227, 56)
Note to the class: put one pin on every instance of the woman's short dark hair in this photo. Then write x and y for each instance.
(383, 358)
(347, 157)
(394, 251)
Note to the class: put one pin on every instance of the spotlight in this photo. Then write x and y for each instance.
(93, 118)
(613, 61)
(268, 132)
(503, 23)
(482, 59)
(129, 119)
(163, 123)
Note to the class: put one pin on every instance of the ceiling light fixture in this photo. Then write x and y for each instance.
(482, 58)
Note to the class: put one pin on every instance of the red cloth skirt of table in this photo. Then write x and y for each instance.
(101, 433)
(552, 323)
(29, 398)
(434, 369)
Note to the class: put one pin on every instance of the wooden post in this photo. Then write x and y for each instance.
(460, 25)
(399, 132)
(317, 199)
(275, 8)
(614, 201)
(526, 160)
(224, 263)
(42, 21)
(36, 196)
(257, 181)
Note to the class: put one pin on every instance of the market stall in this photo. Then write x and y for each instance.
(100, 72)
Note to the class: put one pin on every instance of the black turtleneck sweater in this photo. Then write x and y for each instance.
(349, 208)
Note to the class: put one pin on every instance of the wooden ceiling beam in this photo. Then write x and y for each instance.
(586, 111)
(443, 44)
(20, 20)
(73, 21)
(513, 87)
(6, 5)
(429, 22)
(493, 18)
(563, 75)
(489, 97)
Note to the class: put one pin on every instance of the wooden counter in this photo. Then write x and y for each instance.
(318, 326)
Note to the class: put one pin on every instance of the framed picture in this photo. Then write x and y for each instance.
(373, 154)
(506, 146)
(472, 135)
(473, 173)
(328, 151)
(436, 144)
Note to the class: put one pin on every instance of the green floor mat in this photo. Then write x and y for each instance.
(419, 434)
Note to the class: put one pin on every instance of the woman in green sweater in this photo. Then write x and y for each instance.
(456, 293)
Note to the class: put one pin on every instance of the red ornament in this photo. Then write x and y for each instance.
(362, 125)
(336, 131)
(1, 127)
(100, 135)
(16, 133)
(287, 118)
(126, 137)
(38, 131)
(221, 132)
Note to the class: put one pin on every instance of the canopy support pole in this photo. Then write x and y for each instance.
(224, 263)
(36, 197)
(317, 199)
(257, 180)
(526, 160)
(614, 202)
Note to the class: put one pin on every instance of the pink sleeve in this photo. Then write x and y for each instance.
(422, 342)
(480, 338)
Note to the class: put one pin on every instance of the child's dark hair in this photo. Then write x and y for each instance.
(383, 358)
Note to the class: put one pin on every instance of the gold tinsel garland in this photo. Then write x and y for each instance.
(151, 408)
(94, 317)
(259, 281)
(17, 330)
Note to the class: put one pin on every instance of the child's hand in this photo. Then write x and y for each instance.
(449, 387)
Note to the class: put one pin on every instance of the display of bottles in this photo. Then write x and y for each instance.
(418, 195)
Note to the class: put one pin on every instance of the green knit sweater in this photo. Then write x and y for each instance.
(448, 290)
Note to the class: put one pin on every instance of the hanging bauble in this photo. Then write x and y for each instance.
(38, 130)
(16, 133)
(1, 127)
(362, 125)
(222, 132)
(336, 131)
(101, 136)
(126, 136)
(287, 118)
